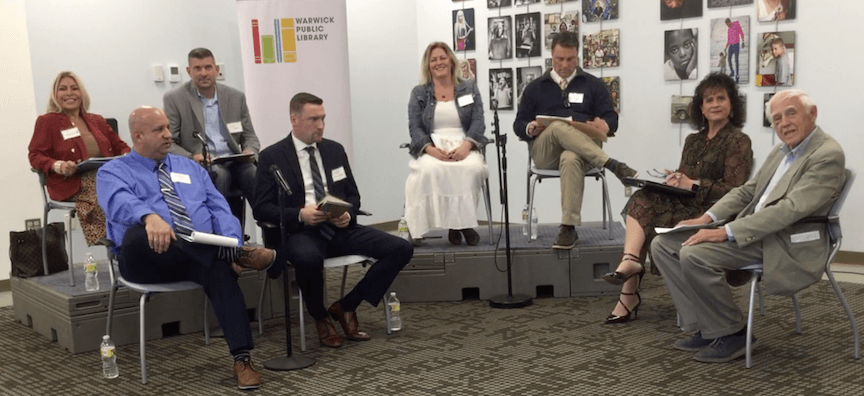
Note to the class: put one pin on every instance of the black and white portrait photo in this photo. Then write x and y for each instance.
(500, 42)
(498, 3)
(501, 89)
(524, 76)
(528, 35)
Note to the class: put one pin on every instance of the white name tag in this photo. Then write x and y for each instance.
(70, 133)
(180, 178)
(338, 174)
(576, 97)
(465, 100)
(805, 237)
(235, 127)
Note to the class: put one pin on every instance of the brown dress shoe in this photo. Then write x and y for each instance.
(327, 333)
(349, 323)
(247, 376)
(257, 258)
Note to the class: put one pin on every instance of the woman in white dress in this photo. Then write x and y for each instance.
(445, 120)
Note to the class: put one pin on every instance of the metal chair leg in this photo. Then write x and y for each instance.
(44, 239)
(261, 303)
(206, 322)
(852, 322)
(761, 297)
(607, 202)
(749, 347)
(141, 339)
(110, 307)
(68, 217)
(531, 208)
(302, 319)
(488, 201)
(797, 313)
(386, 313)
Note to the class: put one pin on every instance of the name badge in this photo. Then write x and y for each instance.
(70, 133)
(338, 174)
(180, 178)
(235, 127)
(805, 237)
(576, 97)
(465, 100)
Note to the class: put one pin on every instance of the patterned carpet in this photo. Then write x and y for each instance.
(555, 347)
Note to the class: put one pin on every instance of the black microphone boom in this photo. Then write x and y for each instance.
(280, 180)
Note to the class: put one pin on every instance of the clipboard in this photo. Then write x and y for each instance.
(93, 163)
(246, 157)
(652, 185)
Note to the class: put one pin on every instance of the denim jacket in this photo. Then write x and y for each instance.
(421, 113)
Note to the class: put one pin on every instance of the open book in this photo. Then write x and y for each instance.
(681, 228)
(592, 132)
(334, 206)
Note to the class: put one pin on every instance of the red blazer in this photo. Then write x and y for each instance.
(48, 146)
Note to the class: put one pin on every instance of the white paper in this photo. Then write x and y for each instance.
(805, 236)
(678, 228)
(213, 239)
(70, 133)
(465, 100)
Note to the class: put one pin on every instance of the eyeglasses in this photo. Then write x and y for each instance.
(657, 173)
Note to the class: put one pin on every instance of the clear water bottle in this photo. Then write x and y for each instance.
(525, 220)
(534, 223)
(91, 280)
(403, 229)
(109, 358)
(395, 309)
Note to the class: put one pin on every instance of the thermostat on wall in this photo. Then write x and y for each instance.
(174, 73)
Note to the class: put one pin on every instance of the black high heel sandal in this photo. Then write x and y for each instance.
(626, 318)
(619, 278)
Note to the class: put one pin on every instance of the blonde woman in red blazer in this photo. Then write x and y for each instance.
(66, 135)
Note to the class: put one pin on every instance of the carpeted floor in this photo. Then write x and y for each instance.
(555, 347)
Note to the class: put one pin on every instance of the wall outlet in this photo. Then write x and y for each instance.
(221, 75)
(32, 224)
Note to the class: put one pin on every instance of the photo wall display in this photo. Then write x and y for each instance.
(677, 9)
(557, 1)
(528, 35)
(680, 109)
(680, 54)
(525, 2)
(501, 89)
(729, 48)
(775, 10)
(500, 32)
(524, 76)
(463, 30)
(558, 22)
(498, 3)
(601, 49)
(727, 3)
(599, 10)
(776, 59)
(467, 69)
(613, 85)
(765, 121)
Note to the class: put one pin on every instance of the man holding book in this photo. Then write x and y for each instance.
(573, 144)
(317, 169)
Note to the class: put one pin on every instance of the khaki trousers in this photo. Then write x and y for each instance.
(572, 152)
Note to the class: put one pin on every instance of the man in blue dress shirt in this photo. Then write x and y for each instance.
(152, 202)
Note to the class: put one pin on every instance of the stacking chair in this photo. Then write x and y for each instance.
(146, 291)
(536, 175)
(835, 237)
(48, 205)
(270, 231)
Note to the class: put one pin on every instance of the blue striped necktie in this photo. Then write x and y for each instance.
(318, 186)
(182, 222)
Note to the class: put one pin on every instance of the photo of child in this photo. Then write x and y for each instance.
(777, 59)
(500, 32)
(728, 39)
(501, 89)
(680, 55)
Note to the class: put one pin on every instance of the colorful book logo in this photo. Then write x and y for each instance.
(279, 47)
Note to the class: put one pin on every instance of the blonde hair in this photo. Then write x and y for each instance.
(426, 76)
(54, 106)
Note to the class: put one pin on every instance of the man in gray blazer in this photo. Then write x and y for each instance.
(200, 110)
(801, 177)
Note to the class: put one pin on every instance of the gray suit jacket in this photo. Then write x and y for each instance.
(186, 116)
(809, 188)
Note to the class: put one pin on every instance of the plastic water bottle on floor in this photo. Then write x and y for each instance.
(109, 358)
(395, 309)
(525, 220)
(403, 229)
(91, 280)
(534, 223)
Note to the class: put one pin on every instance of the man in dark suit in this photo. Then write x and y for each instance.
(314, 166)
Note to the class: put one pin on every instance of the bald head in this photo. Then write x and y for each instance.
(151, 136)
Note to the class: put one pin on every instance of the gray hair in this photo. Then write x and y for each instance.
(805, 99)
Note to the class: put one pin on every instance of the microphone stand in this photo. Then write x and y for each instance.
(510, 300)
(206, 151)
(289, 361)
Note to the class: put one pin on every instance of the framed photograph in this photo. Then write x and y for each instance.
(765, 121)
(463, 30)
(680, 109)
(525, 2)
(727, 3)
(613, 85)
(776, 62)
(730, 41)
(679, 55)
(501, 89)
(548, 63)
(524, 76)
(500, 38)
(601, 49)
(677, 9)
(557, 1)
(528, 35)
(467, 69)
(599, 10)
(558, 22)
(775, 10)
(498, 3)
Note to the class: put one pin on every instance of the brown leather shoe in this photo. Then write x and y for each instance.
(327, 333)
(349, 323)
(247, 376)
(256, 258)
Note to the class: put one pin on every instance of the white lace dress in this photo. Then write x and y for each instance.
(442, 194)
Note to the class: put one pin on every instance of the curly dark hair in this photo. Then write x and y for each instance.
(711, 82)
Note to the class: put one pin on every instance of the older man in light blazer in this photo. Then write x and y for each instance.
(202, 110)
(801, 177)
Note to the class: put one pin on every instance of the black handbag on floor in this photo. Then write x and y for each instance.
(25, 251)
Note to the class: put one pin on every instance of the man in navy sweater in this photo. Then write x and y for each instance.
(573, 147)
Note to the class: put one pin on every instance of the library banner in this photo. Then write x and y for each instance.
(290, 47)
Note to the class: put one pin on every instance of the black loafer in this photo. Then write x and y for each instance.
(455, 237)
(472, 238)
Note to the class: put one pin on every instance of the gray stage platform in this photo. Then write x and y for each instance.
(440, 271)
